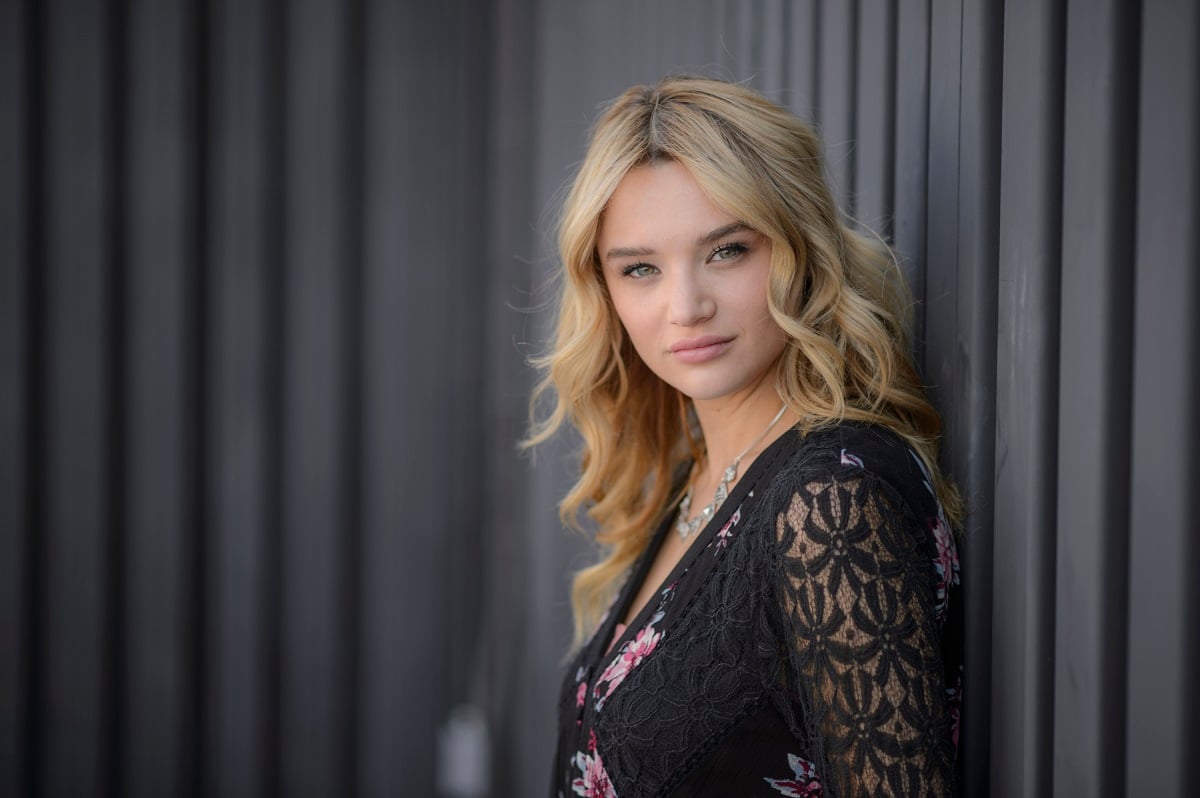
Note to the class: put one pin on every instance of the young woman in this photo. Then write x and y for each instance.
(773, 615)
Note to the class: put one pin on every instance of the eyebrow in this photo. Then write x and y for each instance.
(707, 238)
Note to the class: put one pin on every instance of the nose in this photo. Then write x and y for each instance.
(690, 302)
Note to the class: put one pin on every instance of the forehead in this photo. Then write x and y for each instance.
(656, 204)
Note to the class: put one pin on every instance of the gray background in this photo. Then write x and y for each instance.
(269, 273)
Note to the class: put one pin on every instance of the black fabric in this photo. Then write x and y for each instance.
(804, 645)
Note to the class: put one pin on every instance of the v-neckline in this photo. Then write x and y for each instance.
(609, 642)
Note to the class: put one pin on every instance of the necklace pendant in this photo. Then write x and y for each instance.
(686, 528)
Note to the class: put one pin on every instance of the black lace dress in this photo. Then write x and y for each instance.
(807, 644)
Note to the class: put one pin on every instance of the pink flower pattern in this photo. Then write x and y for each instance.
(630, 656)
(954, 697)
(803, 784)
(726, 533)
(593, 781)
(946, 560)
(945, 563)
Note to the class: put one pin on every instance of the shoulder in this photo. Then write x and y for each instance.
(848, 475)
(852, 451)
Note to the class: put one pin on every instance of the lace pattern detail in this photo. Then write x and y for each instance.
(677, 704)
(854, 586)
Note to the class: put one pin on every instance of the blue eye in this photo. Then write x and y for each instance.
(638, 270)
(728, 252)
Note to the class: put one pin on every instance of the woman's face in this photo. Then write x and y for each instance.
(689, 284)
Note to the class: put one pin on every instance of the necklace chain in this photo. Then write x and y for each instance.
(686, 528)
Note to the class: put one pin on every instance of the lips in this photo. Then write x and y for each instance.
(699, 350)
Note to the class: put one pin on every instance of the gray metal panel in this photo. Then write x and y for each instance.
(1094, 399)
(940, 290)
(74, 752)
(431, 336)
(690, 32)
(836, 81)
(450, 230)
(14, 414)
(739, 39)
(1027, 399)
(911, 151)
(521, 759)
(313, 679)
(875, 119)
(394, 574)
(235, 743)
(1164, 557)
(803, 58)
(970, 407)
(460, 360)
(773, 48)
(156, 592)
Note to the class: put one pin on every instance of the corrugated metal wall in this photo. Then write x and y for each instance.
(268, 275)
(241, 392)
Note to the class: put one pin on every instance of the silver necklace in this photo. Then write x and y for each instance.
(686, 528)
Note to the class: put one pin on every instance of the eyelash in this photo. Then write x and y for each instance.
(629, 270)
(730, 251)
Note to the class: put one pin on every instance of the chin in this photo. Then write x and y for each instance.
(703, 392)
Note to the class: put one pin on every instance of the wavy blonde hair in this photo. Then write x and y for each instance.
(836, 293)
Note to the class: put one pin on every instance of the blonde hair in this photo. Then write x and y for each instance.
(837, 294)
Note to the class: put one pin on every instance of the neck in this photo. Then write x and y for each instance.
(732, 425)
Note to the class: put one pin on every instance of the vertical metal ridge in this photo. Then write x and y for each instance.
(275, 32)
(1191, 664)
(235, 398)
(115, 739)
(874, 121)
(849, 198)
(818, 96)
(803, 56)
(14, 390)
(353, 231)
(314, 373)
(910, 157)
(33, 699)
(194, 777)
(889, 115)
(1115, 676)
(159, 259)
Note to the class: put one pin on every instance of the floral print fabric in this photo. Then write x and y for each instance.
(592, 782)
(803, 782)
(813, 623)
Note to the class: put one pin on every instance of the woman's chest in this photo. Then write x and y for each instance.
(681, 677)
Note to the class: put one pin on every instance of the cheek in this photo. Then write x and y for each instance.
(752, 308)
(634, 315)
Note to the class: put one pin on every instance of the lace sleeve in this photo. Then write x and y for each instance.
(853, 584)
